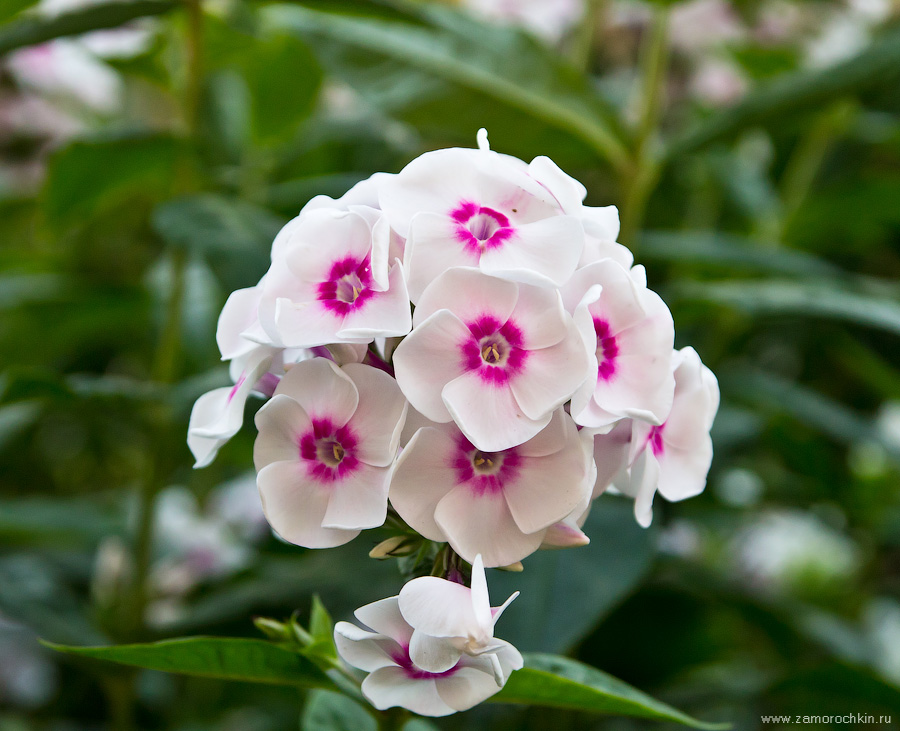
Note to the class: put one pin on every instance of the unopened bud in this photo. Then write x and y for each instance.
(564, 535)
(393, 547)
(515, 568)
(273, 629)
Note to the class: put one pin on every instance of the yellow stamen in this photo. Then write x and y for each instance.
(355, 293)
(480, 461)
(338, 451)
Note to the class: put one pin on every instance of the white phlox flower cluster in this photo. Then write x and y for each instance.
(466, 345)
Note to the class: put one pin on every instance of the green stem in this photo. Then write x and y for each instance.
(583, 40)
(806, 161)
(640, 180)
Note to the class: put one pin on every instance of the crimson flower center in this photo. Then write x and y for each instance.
(494, 349)
(348, 288)
(487, 463)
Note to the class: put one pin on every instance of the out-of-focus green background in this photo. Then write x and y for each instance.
(754, 151)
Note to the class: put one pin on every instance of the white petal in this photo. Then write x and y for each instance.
(422, 476)
(281, 423)
(467, 687)
(682, 472)
(534, 506)
(295, 506)
(481, 600)
(364, 650)
(644, 480)
(379, 416)
(359, 499)
(568, 191)
(611, 454)
(431, 250)
(389, 687)
(432, 654)
(488, 414)
(347, 235)
(696, 402)
(550, 439)
(322, 389)
(468, 294)
(540, 315)
(544, 253)
(239, 313)
(306, 324)
(384, 617)
(439, 608)
(483, 524)
(551, 375)
(428, 359)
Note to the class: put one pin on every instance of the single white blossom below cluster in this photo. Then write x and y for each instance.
(432, 648)
(464, 347)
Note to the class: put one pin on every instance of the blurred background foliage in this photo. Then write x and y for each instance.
(151, 149)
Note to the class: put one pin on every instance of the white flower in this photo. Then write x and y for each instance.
(331, 282)
(477, 208)
(601, 224)
(547, 19)
(499, 503)
(432, 650)
(326, 442)
(218, 415)
(629, 332)
(494, 356)
(674, 457)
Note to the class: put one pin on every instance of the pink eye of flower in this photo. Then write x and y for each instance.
(607, 350)
(479, 227)
(328, 452)
(412, 671)
(484, 472)
(347, 287)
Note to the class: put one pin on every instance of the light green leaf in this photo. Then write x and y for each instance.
(732, 252)
(91, 174)
(797, 298)
(774, 393)
(57, 522)
(507, 67)
(325, 711)
(10, 8)
(600, 575)
(558, 682)
(320, 624)
(225, 658)
(30, 31)
(283, 77)
(877, 65)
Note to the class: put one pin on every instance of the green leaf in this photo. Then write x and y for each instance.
(774, 393)
(234, 236)
(558, 682)
(30, 31)
(320, 624)
(798, 298)
(731, 252)
(600, 575)
(325, 711)
(506, 66)
(56, 522)
(878, 65)
(10, 8)
(225, 658)
(88, 175)
(283, 77)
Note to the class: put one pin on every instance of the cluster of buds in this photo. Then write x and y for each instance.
(465, 342)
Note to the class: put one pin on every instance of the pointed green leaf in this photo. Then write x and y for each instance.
(877, 65)
(33, 30)
(325, 711)
(798, 298)
(226, 658)
(558, 682)
(320, 624)
(507, 67)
